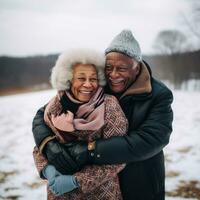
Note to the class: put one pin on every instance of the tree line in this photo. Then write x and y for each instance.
(31, 71)
(176, 68)
(25, 72)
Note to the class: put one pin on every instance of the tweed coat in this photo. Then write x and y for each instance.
(96, 182)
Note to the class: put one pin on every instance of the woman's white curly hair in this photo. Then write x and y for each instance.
(61, 74)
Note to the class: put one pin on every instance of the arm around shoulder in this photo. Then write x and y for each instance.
(39, 128)
(46, 143)
(146, 140)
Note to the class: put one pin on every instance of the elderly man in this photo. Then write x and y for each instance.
(146, 103)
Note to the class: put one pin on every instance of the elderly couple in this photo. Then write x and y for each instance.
(104, 138)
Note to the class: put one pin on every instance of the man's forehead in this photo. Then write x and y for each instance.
(119, 57)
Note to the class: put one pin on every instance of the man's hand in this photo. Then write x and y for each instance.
(79, 152)
(63, 184)
(59, 156)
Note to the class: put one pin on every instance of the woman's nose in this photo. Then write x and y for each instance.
(87, 83)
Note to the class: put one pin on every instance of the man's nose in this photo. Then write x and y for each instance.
(114, 73)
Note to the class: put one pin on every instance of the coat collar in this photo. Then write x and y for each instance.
(142, 84)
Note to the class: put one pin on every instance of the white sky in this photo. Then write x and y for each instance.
(30, 27)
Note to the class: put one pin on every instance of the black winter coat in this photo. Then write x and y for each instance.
(150, 125)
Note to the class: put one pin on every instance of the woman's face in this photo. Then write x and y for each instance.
(84, 83)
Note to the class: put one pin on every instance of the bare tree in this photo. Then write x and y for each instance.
(193, 19)
(170, 42)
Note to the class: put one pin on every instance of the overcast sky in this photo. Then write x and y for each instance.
(29, 27)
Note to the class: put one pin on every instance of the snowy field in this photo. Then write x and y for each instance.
(19, 179)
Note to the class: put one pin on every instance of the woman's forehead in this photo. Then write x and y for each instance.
(84, 69)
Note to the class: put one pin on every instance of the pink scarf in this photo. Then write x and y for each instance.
(90, 116)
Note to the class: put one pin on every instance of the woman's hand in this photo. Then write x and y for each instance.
(50, 172)
(58, 183)
(63, 184)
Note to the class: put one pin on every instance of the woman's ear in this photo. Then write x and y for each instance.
(69, 84)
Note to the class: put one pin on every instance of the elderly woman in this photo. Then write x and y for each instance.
(81, 111)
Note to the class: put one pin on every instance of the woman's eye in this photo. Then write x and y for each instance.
(81, 79)
(93, 79)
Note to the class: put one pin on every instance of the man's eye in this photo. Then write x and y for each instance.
(122, 69)
(108, 67)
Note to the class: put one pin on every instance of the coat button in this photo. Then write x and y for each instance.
(92, 154)
(98, 155)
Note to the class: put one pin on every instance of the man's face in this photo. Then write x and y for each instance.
(120, 71)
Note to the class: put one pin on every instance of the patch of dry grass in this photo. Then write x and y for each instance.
(186, 190)
(4, 175)
(172, 174)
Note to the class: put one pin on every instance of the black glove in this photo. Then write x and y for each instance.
(79, 152)
(59, 156)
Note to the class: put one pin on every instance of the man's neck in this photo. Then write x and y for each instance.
(109, 91)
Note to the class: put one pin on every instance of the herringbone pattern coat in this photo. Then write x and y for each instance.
(96, 182)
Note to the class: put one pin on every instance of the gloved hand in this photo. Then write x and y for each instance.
(50, 172)
(79, 152)
(59, 156)
(63, 184)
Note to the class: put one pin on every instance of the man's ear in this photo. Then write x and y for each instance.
(137, 68)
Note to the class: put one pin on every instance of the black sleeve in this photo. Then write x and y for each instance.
(39, 128)
(148, 140)
(56, 153)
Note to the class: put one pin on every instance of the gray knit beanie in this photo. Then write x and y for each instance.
(125, 43)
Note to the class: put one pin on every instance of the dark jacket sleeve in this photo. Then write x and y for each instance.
(148, 140)
(39, 128)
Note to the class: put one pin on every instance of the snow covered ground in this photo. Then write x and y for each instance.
(19, 179)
